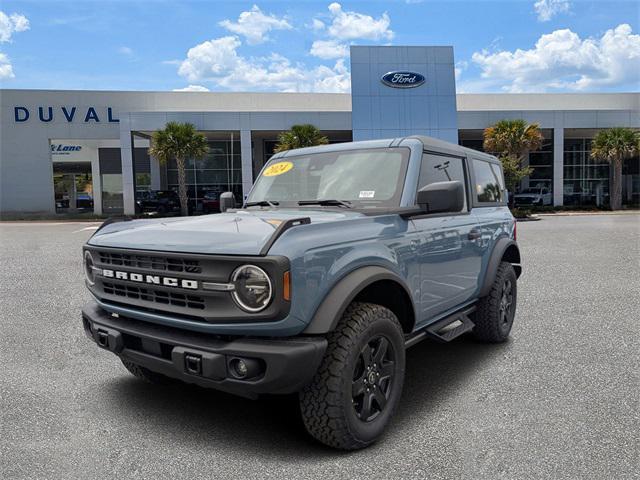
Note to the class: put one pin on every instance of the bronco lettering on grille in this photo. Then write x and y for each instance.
(151, 279)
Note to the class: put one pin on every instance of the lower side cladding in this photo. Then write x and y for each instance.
(286, 365)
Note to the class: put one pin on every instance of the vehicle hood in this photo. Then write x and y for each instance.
(244, 232)
(527, 195)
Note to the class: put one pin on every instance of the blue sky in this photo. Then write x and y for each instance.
(500, 46)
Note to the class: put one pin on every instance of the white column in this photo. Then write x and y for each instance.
(246, 159)
(558, 166)
(154, 165)
(96, 181)
(126, 156)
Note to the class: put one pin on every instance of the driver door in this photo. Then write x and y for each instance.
(448, 257)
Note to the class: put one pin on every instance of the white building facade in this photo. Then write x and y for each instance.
(74, 151)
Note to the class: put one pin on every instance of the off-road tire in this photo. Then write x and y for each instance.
(328, 405)
(490, 325)
(146, 374)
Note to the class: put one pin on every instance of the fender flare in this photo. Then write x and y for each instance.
(501, 246)
(342, 294)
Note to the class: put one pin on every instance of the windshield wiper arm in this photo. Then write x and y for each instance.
(262, 203)
(328, 202)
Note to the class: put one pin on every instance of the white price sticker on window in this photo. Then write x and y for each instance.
(367, 194)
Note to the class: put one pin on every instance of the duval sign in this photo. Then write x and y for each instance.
(69, 114)
(402, 79)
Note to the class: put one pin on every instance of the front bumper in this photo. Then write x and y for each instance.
(285, 365)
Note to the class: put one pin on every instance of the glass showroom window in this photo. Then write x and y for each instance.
(542, 163)
(220, 171)
(586, 181)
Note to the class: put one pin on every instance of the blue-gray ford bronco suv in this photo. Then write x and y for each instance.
(341, 257)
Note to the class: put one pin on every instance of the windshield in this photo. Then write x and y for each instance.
(365, 177)
(531, 190)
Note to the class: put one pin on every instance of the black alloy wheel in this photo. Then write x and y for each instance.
(358, 385)
(506, 302)
(495, 312)
(373, 378)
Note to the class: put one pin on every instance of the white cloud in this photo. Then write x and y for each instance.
(354, 25)
(317, 25)
(10, 24)
(547, 9)
(192, 88)
(328, 49)
(210, 59)
(460, 67)
(218, 61)
(561, 60)
(254, 25)
(125, 51)
(344, 27)
(6, 70)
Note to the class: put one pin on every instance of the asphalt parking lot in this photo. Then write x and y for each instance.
(559, 400)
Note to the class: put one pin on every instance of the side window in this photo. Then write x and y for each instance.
(436, 168)
(489, 185)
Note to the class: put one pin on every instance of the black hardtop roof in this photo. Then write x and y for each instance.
(438, 145)
(429, 143)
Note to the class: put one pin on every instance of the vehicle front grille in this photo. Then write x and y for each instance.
(150, 262)
(156, 296)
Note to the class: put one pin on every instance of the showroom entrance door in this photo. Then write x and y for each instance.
(73, 187)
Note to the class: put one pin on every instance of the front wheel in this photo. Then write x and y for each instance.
(355, 391)
(495, 313)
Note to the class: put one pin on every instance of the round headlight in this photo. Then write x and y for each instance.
(252, 288)
(88, 267)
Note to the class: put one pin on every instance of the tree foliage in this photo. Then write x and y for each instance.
(513, 138)
(511, 141)
(300, 136)
(179, 141)
(615, 145)
(514, 172)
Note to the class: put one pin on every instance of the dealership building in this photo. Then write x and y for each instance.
(74, 151)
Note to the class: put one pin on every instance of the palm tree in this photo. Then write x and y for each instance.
(511, 141)
(180, 141)
(615, 145)
(300, 136)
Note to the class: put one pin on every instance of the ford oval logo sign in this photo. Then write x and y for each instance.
(403, 79)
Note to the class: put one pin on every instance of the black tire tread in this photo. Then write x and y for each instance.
(486, 317)
(321, 401)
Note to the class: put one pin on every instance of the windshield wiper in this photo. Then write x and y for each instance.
(262, 203)
(328, 202)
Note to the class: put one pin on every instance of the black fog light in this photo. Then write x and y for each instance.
(244, 368)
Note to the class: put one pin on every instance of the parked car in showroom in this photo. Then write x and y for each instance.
(84, 200)
(342, 257)
(536, 196)
(161, 202)
(211, 201)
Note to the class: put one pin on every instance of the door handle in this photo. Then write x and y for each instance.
(474, 234)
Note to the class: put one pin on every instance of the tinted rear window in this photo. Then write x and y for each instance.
(489, 186)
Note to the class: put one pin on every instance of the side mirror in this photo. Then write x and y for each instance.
(441, 197)
(227, 201)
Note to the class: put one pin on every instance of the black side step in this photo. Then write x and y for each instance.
(444, 330)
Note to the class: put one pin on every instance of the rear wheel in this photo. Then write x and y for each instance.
(495, 313)
(358, 385)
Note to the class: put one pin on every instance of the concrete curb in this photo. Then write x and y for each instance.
(572, 214)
